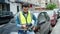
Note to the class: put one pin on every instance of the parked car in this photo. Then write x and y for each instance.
(57, 10)
(59, 14)
(5, 17)
(53, 17)
(44, 23)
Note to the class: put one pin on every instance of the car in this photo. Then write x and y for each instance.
(43, 23)
(58, 14)
(57, 10)
(53, 17)
(5, 17)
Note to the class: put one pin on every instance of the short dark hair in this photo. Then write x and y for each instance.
(25, 5)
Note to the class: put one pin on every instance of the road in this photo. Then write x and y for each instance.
(9, 28)
(56, 29)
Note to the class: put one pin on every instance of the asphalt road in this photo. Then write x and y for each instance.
(8, 28)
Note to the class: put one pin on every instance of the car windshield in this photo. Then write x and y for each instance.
(43, 16)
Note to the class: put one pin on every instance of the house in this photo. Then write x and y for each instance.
(5, 14)
(4, 5)
(57, 2)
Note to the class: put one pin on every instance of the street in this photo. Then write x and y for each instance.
(11, 28)
(30, 16)
(8, 29)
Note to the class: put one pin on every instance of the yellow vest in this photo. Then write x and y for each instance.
(25, 20)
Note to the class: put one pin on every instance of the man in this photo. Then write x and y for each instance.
(24, 20)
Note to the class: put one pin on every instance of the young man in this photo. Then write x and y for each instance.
(24, 20)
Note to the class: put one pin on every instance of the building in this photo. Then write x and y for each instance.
(57, 2)
(4, 5)
(14, 7)
(43, 3)
(33, 3)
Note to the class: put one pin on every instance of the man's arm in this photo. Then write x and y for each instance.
(17, 21)
(35, 20)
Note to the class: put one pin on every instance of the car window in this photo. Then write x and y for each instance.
(41, 17)
(46, 16)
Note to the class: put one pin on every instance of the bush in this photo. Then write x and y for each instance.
(51, 6)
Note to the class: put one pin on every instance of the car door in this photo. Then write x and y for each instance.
(44, 25)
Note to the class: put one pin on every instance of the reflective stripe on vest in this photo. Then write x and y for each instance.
(25, 20)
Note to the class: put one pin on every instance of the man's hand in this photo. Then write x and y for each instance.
(36, 29)
(24, 26)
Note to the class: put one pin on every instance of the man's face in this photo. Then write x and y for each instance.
(25, 9)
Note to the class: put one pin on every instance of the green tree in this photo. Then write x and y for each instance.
(51, 6)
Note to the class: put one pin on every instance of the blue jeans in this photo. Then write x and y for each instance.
(26, 32)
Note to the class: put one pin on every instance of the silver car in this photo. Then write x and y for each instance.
(59, 13)
(43, 23)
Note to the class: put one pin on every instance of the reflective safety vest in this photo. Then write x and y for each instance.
(25, 20)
